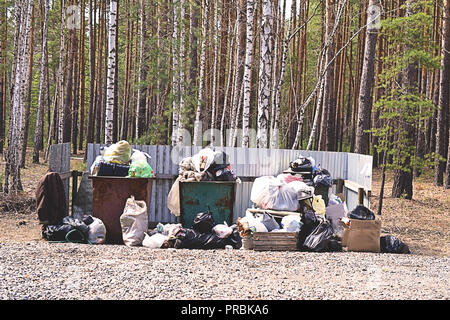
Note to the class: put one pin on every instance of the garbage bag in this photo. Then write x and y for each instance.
(361, 213)
(97, 230)
(139, 156)
(291, 223)
(56, 232)
(391, 244)
(221, 160)
(269, 193)
(309, 222)
(318, 205)
(77, 224)
(191, 239)
(134, 222)
(203, 159)
(323, 179)
(318, 240)
(223, 230)
(155, 241)
(302, 164)
(269, 222)
(119, 152)
(225, 174)
(140, 169)
(203, 222)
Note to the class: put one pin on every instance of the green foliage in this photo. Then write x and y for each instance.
(403, 109)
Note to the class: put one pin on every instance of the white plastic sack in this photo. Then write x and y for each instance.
(97, 231)
(269, 193)
(171, 229)
(268, 221)
(173, 198)
(253, 223)
(203, 159)
(139, 156)
(291, 223)
(223, 230)
(134, 222)
(155, 241)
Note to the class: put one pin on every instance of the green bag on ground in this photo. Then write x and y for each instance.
(140, 169)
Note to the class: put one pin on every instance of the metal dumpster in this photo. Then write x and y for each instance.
(217, 196)
(109, 195)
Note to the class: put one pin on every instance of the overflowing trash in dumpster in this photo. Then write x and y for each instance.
(292, 210)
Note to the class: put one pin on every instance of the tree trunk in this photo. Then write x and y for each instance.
(92, 78)
(442, 120)
(251, 8)
(28, 104)
(111, 85)
(43, 87)
(18, 99)
(402, 185)
(60, 122)
(197, 139)
(3, 35)
(265, 73)
(367, 80)
(142, 87)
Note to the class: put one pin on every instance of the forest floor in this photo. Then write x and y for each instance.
(422, 223)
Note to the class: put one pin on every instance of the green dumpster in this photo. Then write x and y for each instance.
(217, 196)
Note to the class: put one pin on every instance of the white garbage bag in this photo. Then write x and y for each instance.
(223, 230)
(97, 231)
(155, 241)
(134, 222)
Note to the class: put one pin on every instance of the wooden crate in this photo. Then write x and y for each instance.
(275, 241)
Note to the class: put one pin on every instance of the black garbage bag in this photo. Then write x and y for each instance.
(77, 224)
(204, 222)
(323, 179)
(310, 222)
(225, 174)
(302, 164)
(63, 232)
(391, 244)
(318, 240)
(361, 213)
(191, 239)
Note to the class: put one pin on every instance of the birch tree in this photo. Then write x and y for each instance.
(60, 107)
(197, 139)
(111, 85)
(367, 79)
(251, 8)
(18, 99)
(265, 73)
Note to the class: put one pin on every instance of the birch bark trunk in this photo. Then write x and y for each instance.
(265, 73)
(18, 100)
(251, 8)
(367, 80)
(111, 85)
(197, 139)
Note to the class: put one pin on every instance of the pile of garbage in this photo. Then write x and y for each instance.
(204, 234)
(206, 165)
(301, 200)
(120, 160)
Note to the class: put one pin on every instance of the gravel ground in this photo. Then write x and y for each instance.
(39, 270)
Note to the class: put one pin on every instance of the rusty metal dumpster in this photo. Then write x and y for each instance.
(217, 196)
(109, 197)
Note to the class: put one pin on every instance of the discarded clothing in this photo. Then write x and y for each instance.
(51, 206)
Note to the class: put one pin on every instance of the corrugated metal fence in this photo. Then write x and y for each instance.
(246, 162)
